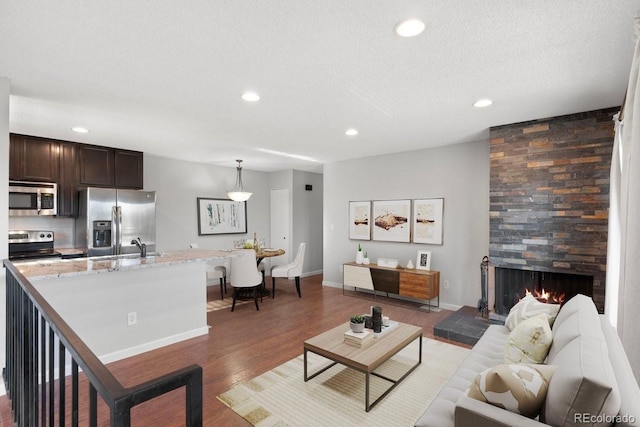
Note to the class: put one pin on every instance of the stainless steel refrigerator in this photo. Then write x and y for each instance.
(109, 219)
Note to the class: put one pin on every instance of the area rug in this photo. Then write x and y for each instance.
(215, 305)
(280, 397)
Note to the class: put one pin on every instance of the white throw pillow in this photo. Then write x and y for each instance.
(517, 388)
(529, 342)
(529, 307)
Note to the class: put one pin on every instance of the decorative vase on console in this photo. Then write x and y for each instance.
(366, 261)
(359, 255)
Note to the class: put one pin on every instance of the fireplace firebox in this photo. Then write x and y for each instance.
(512, 284)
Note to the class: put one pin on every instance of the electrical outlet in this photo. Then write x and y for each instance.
(446, 284)
(132, 318)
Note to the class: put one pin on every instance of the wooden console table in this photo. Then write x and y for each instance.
(420, 284)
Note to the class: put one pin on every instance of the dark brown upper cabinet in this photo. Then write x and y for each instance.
(97, 166)
(33, 159)
(128, 166)
(72, 166)
(110, 167)
(68, 179)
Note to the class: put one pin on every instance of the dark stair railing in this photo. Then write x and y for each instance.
(33, 330)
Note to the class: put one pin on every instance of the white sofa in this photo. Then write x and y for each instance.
(593, 376)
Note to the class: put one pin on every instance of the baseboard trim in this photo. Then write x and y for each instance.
(331, 284)
(452, 307)
(311, 273)
(152, 345)
(307, 274)
(442, 305)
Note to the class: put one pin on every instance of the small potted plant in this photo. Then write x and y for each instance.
(357, 323)
(366, 261)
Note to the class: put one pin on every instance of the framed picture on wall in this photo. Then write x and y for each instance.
(392, 220)
(427, 221)
(360, 220)
(221, 216)
(423, 260)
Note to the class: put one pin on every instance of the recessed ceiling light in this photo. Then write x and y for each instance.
(250, 96)
(410, 28)
(351, 132)
(481, 103)
(80, 129)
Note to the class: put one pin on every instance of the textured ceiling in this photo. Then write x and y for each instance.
(165, 77)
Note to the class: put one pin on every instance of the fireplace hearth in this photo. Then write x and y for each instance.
(511, 285)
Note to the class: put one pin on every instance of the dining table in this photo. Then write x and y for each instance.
(267, 253)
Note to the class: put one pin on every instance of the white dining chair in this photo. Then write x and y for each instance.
(245, 275)
(217, 270)
(261, 270)
(291, 270)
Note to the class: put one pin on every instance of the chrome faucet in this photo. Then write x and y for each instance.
(141, 246)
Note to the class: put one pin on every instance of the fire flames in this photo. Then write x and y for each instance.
(545, 296)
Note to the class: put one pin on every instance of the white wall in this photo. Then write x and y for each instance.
(4, 202)
(306, 214)
(458, 173)
(169, 302)
(63, 228)
(283, 180)
(178, 184)
(307, 218)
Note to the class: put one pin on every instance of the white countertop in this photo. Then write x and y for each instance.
(53, 268)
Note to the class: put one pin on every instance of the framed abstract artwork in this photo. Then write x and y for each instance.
(360, 220)
(221, 216)
(427, 221)
(392, 220)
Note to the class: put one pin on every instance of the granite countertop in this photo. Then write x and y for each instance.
(54, 268)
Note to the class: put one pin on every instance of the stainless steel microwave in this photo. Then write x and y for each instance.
(33, 198)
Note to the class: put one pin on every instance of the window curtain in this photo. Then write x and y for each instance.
(623, 281)
(614, 247)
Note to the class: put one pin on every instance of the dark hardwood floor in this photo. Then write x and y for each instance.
(244, 344)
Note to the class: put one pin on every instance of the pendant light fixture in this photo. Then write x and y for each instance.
(238, 194)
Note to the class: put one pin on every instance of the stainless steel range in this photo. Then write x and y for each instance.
(31, 244)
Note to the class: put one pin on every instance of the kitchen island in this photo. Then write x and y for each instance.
(125, 305)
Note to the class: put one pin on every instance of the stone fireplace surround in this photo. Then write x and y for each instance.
(549, 196)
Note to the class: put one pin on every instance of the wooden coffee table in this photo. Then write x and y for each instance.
(365, 359)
